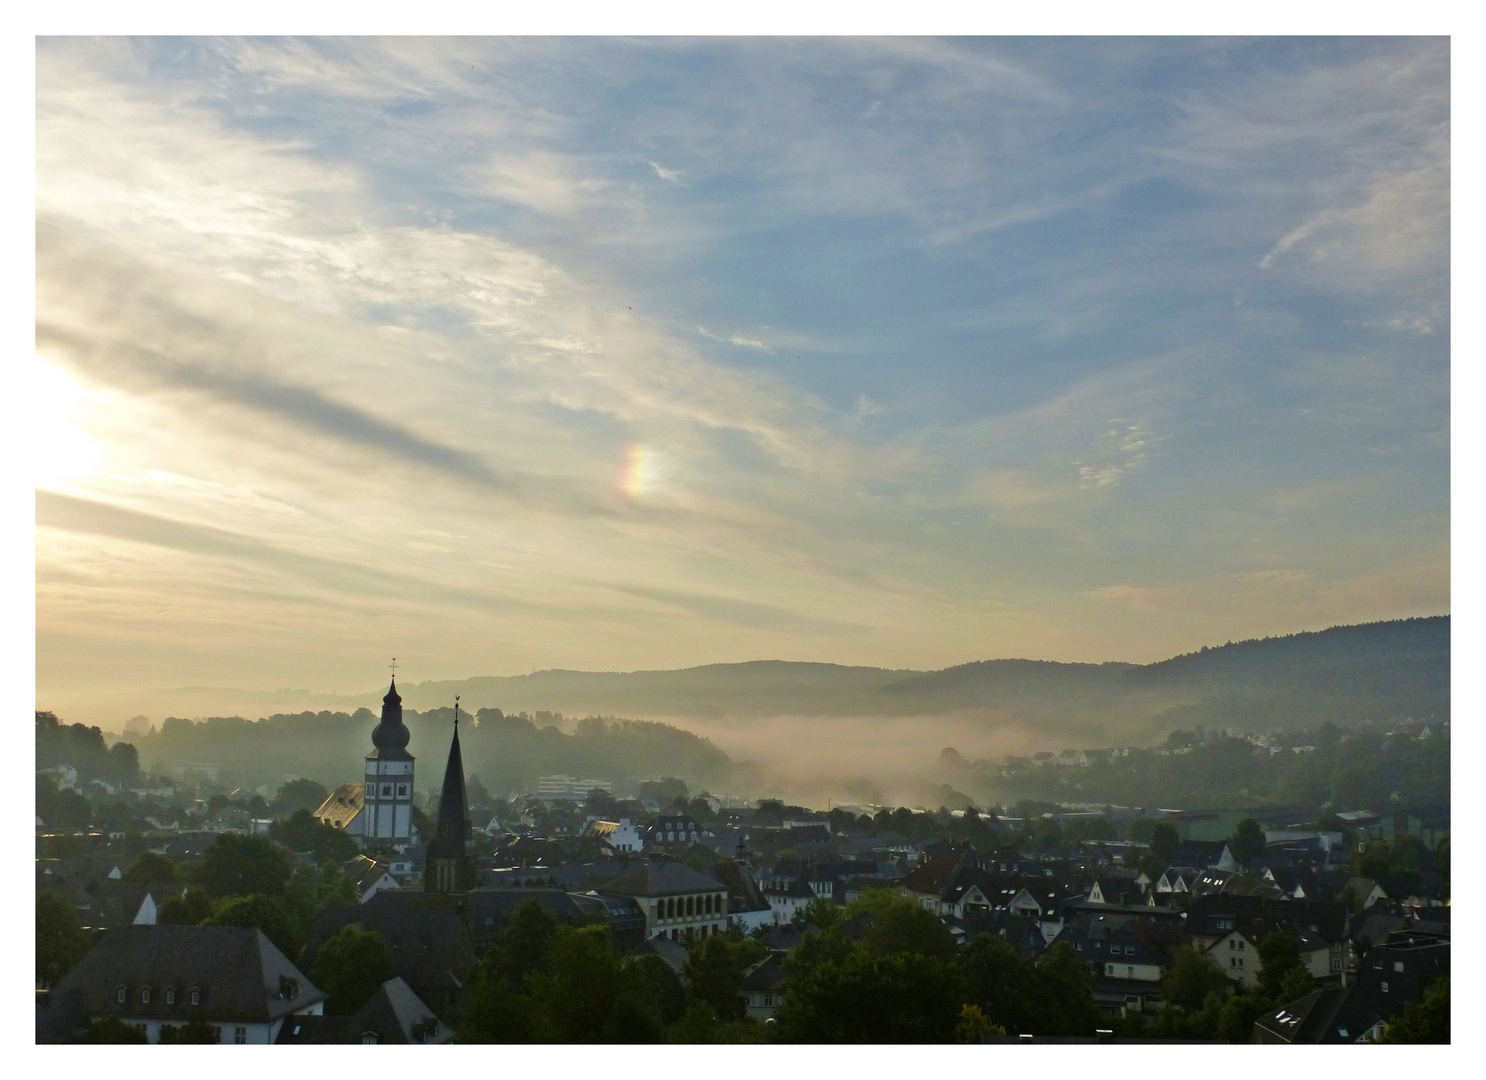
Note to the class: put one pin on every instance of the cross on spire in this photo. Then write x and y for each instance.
(456, 710)
(393, 666)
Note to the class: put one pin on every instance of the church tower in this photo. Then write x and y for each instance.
(388, 809)
(450, 865)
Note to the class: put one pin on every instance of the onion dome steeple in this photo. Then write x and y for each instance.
(390, 737)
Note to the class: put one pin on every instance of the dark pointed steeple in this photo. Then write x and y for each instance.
(450, 865)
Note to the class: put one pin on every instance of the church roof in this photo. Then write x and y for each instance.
(344, 803)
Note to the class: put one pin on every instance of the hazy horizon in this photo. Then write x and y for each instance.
(514, 354)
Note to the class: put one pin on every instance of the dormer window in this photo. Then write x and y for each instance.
(195, 995)
(144, 995)
(121, 995)
(170, 995)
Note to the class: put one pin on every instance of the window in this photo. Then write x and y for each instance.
(240, 1035)
(1383, 987)
(1398, 965)
(368, 1038)
(1233, 962)
(217, 1034)
(170, 995)
(144, 995)
(768, 999)
(121, 995)
(1109, 969)
(386, 791)
(1232, 944)
(1241, 944)
(402, 791)
(196, 996)
(1336, 965)
(1129, 973)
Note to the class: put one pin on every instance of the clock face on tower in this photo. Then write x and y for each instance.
(446, 828)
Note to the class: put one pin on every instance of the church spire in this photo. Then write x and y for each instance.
(450, 866)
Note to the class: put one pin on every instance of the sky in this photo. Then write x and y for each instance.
(506, 354)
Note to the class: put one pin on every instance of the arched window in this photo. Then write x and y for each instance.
(121, 995)
(144, 995)
(691, 905)
(170, 995)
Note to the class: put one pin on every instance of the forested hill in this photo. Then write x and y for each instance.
(1375, 671)
(1369, 671)
(507, 753)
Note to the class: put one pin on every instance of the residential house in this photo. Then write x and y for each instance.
(672, 830)
(394, 1014)
(152, 977)
(622, 835)
(763, 987)
(429, 938)
(369, 877)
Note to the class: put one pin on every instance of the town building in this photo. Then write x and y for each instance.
(152, 977)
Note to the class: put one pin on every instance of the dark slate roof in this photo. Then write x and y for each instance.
(936, 876)
(393, 1014)
(663, 879)
(743, 890)
(767, 974)
(1333, 1014)
(672, 953)
(426, 932)
(237, 969)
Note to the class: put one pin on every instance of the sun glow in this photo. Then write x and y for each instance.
(66, 452)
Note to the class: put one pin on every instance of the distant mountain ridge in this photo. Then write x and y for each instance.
(1372, 670)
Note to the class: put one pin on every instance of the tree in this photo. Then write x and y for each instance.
(901, 926)
(196, 1030)
(238, 865)
(907, 998)
(650, 980)
(1002, 982)
(714, 969)
(1139, 831)
(1247, 841)
(193, 907)
(1193, 975)
(262, 912)
(110, 1029)
(521, 946)
(61, 940)
(149, 868)
(1426, 1021)
(1279, 954)
(123, 763)
(349, 967)
(973, 1026)
(576, 990)
(1066, 999)
(1164, 842)
(298, 795)
(302, 831)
